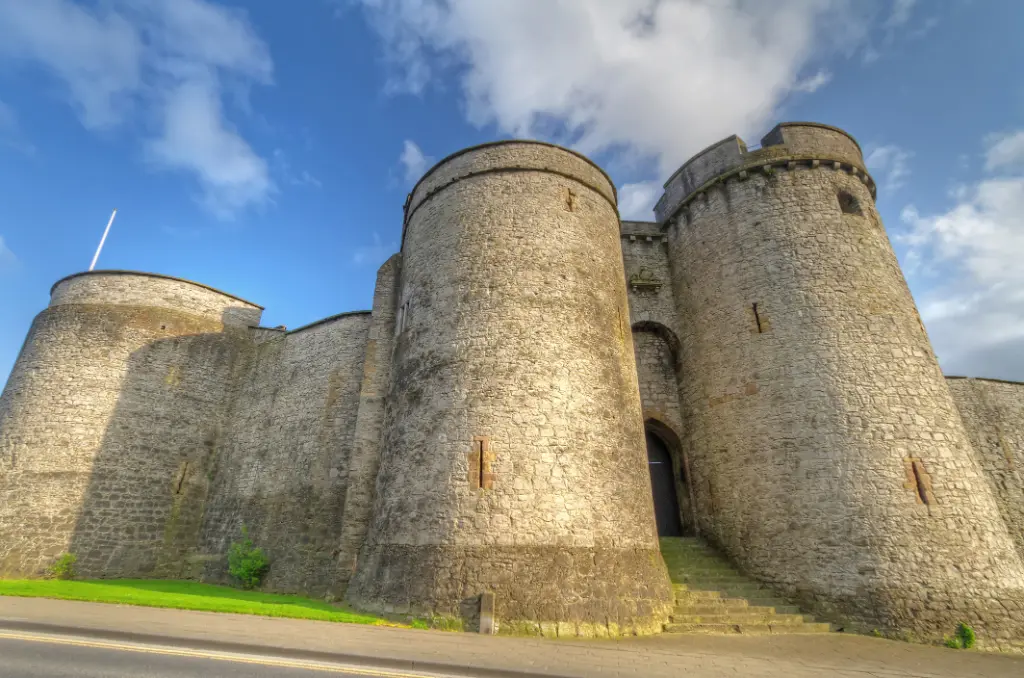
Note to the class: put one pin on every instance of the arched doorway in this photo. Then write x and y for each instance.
(663, 485)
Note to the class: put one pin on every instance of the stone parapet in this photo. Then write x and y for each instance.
(787, 146)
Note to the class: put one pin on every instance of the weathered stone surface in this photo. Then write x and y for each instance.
(993, 413)
(800, 415)
(481, 428)
(110, 420)
(283, 468)
(513, 343)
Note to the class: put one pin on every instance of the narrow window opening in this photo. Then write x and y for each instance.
(922, 482)
(480, 457)
(181, 478)
(848, 204)
(757, 319)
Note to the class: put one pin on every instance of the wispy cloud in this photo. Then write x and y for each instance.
(1004, 151)
(167, 64)
(969, 258)
(283, 168)
(8, 262)
(813, 83)
(374, 254)
(889, 165)
(414, 162)
(636, 201)
(11, 134)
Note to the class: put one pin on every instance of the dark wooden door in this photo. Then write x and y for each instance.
(666, 504)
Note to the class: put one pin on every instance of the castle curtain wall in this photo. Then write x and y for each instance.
(993, 413)
(364, 463)
(109, 421)
(283, 469)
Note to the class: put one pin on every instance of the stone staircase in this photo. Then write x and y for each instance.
(713, 597)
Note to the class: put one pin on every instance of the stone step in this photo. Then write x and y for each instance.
(716, 606)
(747, 629)
(699, 593)
(703, 566)
(727, 590)
(739, 618)
(723, 579)
(780, 604)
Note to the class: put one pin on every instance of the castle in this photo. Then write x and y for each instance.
(495, 423)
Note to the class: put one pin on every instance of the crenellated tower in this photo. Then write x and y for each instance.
(512, 459)
(827, 455)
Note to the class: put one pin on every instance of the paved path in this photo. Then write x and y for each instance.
(51, 656)
(796, 656)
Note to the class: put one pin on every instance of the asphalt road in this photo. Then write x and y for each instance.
(34, 655)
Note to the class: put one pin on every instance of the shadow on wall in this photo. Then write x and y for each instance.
(144, 502)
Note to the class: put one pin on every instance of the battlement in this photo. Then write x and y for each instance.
(516, 155)
(134, 288)
(788, 145)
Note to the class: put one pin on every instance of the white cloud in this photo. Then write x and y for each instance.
(166, 63)
(413, 161)
(970, 255)
(889, 166)
(813, 83)
(283, 169)
(1004, 150)
(8, 261)
(660, 80)
(636, 201)
(375, 254)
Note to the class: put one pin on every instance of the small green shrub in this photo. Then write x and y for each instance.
(64, 568)
(963, 639)
(246, 562)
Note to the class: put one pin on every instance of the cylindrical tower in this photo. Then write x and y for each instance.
(110, 420)
(826, 452)
(513, 458)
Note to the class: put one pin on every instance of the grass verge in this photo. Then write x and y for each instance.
(186, 595)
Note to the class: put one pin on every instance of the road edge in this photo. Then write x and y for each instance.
(390, 663)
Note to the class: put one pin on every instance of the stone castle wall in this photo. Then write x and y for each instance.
(481, 429)
(109, 421)
(993, 413)
(513, 452)
(283, 467)
(827, 454)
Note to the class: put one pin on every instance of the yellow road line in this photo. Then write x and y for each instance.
(221, 656)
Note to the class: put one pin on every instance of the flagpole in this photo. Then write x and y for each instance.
(102, 240)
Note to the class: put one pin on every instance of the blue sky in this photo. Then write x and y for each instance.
(266, 148)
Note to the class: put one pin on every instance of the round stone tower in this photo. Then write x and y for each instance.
(109, 422)
(513, 457)
(827, 455)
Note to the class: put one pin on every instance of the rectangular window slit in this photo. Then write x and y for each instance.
(480, 453)
(181, 478)
(922, 484)
(757, 319)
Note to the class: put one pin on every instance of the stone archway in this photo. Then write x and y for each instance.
(670, 481)
(663, 487)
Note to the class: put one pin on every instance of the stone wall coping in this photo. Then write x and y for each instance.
(424, 191)
(812, 124)
(328, 319)
(756, 161)
(503, 142)
(998, 381)
(809, 140)
(143, 274)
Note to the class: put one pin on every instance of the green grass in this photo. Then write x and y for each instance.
(185, 595)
